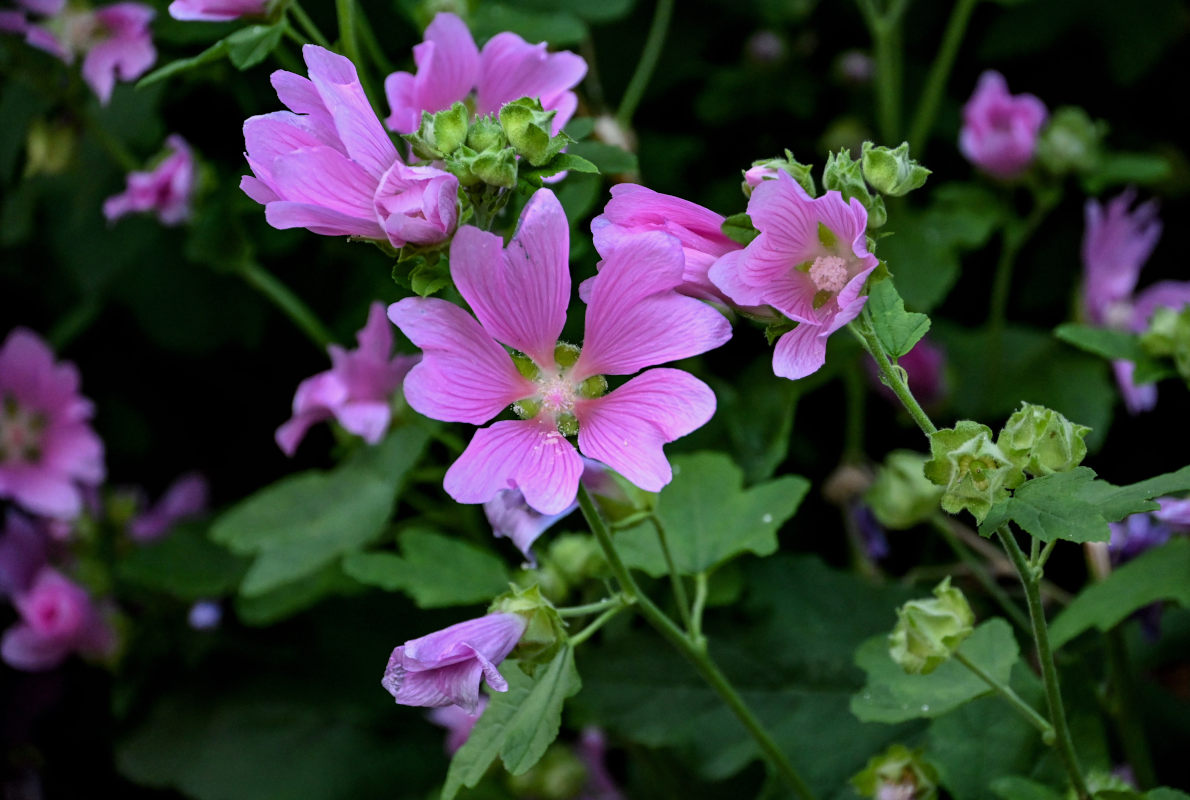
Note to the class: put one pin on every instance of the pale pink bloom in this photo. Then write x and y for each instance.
(216, 10)
(185, 498)
(458, 723)
(450, 67)
(57, 619)
(48, 451)
(329, 166)
(446, 666)
(759, 172)
(809, 262)
(1000, 130)
(634, 320)
(635, 209)
(164, 190)
(357, 390)
(23, 552)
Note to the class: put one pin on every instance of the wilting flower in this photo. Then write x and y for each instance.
(446, 666)
(1116, 244)
(47, 447)
(634, 320)
(450, 67)
(216, 10)
(164, 190)
(458, 723)
(57, 619)
(634, 209)
(329, 166)
(357, 390)
(1000, 130)
(809, 262)
(185, 498)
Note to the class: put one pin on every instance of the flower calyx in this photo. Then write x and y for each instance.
(1041, 441)
(928, 631)
(892, 172)
(527, 126)
(972, 469)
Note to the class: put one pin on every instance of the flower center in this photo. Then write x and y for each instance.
(557, 391)
(20, 432)
(829, 274)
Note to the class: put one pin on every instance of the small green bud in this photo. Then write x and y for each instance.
(974, 472)
(496, 167)
(892, 172)
(845, 176)
(902, 496)
(461, 164)
(544, 631)
(929, 631)
(49, 148)
(1071, 142)
(576, 556)
(1100, 780)
(559, 775)
(486, 134)
(440, 133)
(527, 127)
(1168, 336)
(897, 772)
(1041, 441)
(767, 169)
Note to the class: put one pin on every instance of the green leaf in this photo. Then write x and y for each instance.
(291, 598)
(608, 158)
(212, 53)
(1104, 342)
(435, 570)
(185, 564)
(709, 517)
(1117, 169)
(893, 695)
(897, 329)
(1051, 508)
(248, 46)
(739, 228)
(1117, 502)
(304, 522)
(1014, 787)
(560, 163)
(1165, 793)
(1159, 574)
(518, 725)
(580, 128)
(558, 28)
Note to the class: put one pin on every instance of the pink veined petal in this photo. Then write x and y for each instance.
(800, 352)
(465, 376)
(530, 455)
(520, 293)
(275, 135)
(782, 210)
(367, 419)
(627, 428)
(494, 635)
(636, 320)
(725, 274)
(283, 214)
(322, 176)
(511, 68)
(299, 95)
(447, 70)
(449, 684)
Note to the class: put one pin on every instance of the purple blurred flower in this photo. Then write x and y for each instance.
(458, 723)
(446, 666)
(634, 320)
(164, 190)
(926, 367)
(809, 262)
(870, 531)
(216, 10)
(1000, 130)
(57, 619)
(186, 497)
(357, 390)
(592, 751)
(329, 166)
(450, 67)
(47, 447)
(23, 552)
(205, 615)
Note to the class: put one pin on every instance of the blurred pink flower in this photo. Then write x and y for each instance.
(216, 10)
(186, 497)
(458, 723)
(926, 367)
(57, 619)
(23, 552)
(164, 190)
(450, 67)
(1000, 130)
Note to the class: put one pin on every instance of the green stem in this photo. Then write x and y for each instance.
(1045, 553)
(308, 27)
(700, 604)
(675, 580)
(885, 29)
(979, 570)
(648, 62)
(348, 26)
(931, 96)
(587, 632)
(615, 601)
(893, 378)
(1027, 711)
(1131, 730)
(288, 302)
(1031, 579)
(372, 44)
(853, 439)
(696, 656)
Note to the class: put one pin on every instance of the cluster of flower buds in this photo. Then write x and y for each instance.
(1041, 441)
(928, 631)
(897, 774)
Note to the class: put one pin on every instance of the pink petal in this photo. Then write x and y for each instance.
(519, 294)
(447, 70)
(23, 649)
(322, 176)
(299, 95)
(46, 493)
(465, 376)
(800, 352)
(1164, 294)
(627, 428)
(283, 214)
(366, 419)
(529, 455)
(725, 274)
(293, 430)
(511, 68)
(338, 85)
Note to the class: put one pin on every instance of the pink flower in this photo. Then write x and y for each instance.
(47, 448)
(809, 262)
(23, 552)
(329, 166)
(1000, 130)
(186, 497)
(216, 10)
(450, 67)
(592, 751)
(164, 190)
(634, 319)
(357, 390)
(57, 619)
(446, 666)
(634, 209)
(458, 723)
(510, 516)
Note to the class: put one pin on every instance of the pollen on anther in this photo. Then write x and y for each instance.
(829, 273)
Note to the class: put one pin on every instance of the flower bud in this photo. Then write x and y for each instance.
(544, 629)
(845, 176)
(974, 472)
(892, 172)
(1168, 336)
(902, 496)
(496, 167)
(486, 134)
(441, 133)
(577, 557)
(767, 169)
(929, 631)
(898, 773)
(1070, 142)
(49, 147)
(1041, 441)
(527, 127)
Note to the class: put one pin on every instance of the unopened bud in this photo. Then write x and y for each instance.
(486, 134)
(929, 631)
(1168, 336)
(544, 630)
(902, 496)
(1041, 441)
(767, 169)
(1070, 142)
(845, 176)
(897, 774)
(527, 127)
(892, 172)
(972, 470)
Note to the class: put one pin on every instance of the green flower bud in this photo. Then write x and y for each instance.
(974, 472)
(902, 496)
(486, 134)
(929, 631)
(559, 775)
(845, 176)
(544, 631)
(461, 164)
(768, 168)
(1041, 441)
(49, 148)
(441, 133)
(576, 556)
(1168, 336)
(527, 127)
(892, 172)
(1071, 142)
(1100, 780)
(897, 772)
(496, 167)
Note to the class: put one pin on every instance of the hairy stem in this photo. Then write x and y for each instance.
(648, 62)
(1024, 709)
(675, 580)
(308, 27)
(893, 377)
(288, 302)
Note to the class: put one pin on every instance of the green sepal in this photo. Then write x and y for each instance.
(527, 126)
(973, 470)
(892, 172)
(739, 228)
(929, 631)
(1041, 441)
